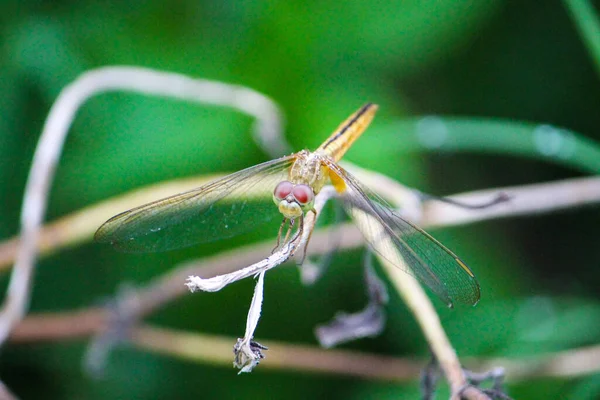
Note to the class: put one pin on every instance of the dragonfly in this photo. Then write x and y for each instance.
(242, 201)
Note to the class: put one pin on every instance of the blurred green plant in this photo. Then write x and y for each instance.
(510, 60)
(587, 22)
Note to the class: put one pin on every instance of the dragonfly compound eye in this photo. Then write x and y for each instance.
(282, 190)
(303, 194)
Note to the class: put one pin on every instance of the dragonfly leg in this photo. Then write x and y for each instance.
(289, 231)
(283, 223)
(300, 228)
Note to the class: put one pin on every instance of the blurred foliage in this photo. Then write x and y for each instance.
(499, 72)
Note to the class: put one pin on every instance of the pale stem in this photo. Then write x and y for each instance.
(214, 284)
(530, 199)
(255, 308)
(246, 356)
(416, 299)
(284, 356)
(6, 394)
(80, 226)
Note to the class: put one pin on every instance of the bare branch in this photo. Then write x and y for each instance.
(282, 356)
(213, 349)
(414, 296)
(214, 284)
(60, 326)
(248, 353)
(80, 226)
(523, 200)
(417, 301)
(6, 394)
(564, 364)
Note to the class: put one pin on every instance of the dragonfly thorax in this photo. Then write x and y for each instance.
(308, 169)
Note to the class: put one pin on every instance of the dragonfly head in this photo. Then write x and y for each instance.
(293, 200)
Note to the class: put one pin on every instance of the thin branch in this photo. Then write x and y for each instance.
(213, 349)
(564, 364)
(216, 283)
(6, 394)
(415, 298)
(217, 349)
(79, 227)
(523, 200)
(417, 301)
(54, 133)
(247, 352)
(60, 326)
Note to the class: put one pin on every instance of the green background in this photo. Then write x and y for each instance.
(495, 69)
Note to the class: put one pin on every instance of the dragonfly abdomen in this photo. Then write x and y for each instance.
(342, 138)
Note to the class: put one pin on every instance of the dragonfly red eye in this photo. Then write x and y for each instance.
(303, 194)
(283, 190)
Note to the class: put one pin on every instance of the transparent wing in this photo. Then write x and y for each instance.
(223, 208)
(391, 237)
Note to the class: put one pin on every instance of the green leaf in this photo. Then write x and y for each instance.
(588, 24)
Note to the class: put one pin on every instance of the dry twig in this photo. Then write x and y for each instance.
(212, 349)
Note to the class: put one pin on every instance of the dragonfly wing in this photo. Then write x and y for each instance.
(405, 245)
(223, 208)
